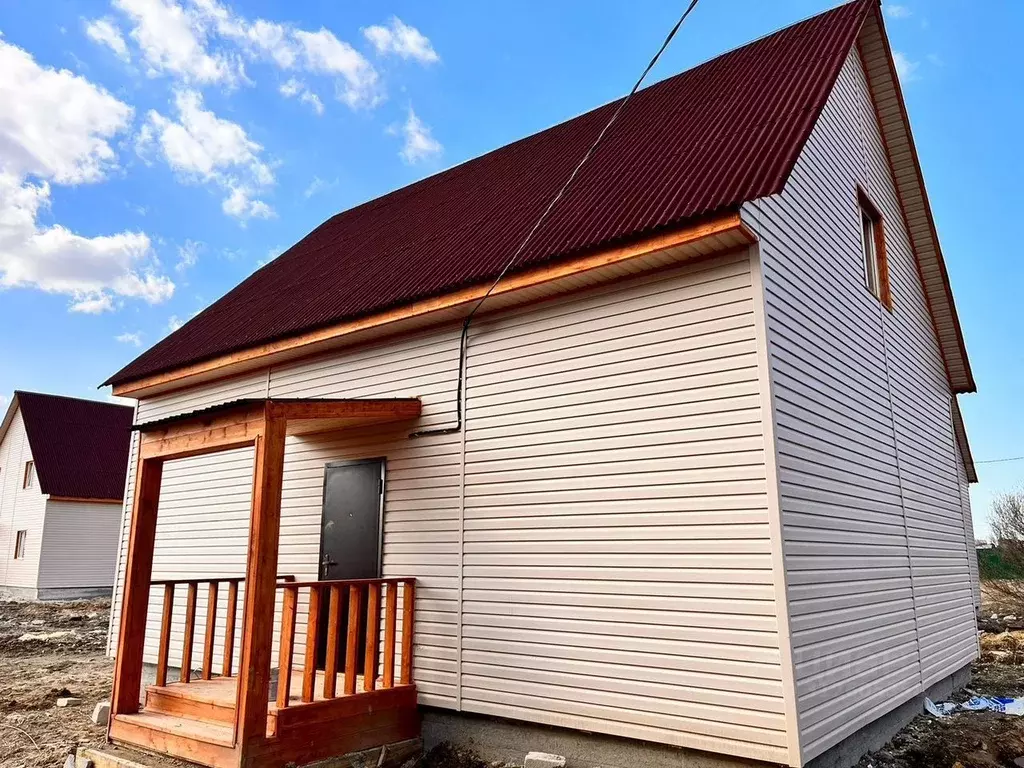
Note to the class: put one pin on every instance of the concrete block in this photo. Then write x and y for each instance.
(68, 701)
(101, 713)
(543, 760)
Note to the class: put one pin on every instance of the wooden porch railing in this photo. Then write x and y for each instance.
(230, 620)
(363, 619)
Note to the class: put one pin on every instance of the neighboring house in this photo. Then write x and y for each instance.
(709, 485)
(63, 463)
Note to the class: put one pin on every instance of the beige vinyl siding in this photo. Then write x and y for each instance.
(21, 509)
(593, 549)
(875, 548)
(617, 570)
(79, 544)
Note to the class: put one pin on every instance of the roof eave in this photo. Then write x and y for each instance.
(714, 234)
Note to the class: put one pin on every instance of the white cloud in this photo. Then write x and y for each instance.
(318, 185)
(205, 42)
(323, 53)
(204, 148)
(173, 41)
(241, 205)
(188, 255)
(104, 32)
(898, 11)
(905, 68)
(96, 304)
(419, 143)
(135, 339)
(296, 88)
(402, 40)
(174, 323)
(56, 128)
(55, 124)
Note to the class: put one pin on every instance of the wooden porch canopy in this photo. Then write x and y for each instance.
(263, 424)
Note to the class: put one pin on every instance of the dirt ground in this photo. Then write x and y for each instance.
(49, 651)
(52, 650)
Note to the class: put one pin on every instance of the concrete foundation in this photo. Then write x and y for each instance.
(54, 593)
(73, 593)
(874, 735)
(495, 739)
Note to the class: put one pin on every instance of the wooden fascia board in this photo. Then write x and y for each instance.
(313, 341)
(875, 23)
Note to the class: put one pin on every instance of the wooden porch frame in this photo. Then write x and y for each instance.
(263, 424)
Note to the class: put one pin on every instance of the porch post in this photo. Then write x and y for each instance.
(260, 584)
(135, 600)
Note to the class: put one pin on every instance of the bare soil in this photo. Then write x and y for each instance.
(49, 651)
(52, 650)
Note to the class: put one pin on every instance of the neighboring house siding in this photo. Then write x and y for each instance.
(20, 509)
(876, 553)
(197, 495)
(79, 544)
(593, 548)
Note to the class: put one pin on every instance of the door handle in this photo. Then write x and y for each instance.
(325, 565)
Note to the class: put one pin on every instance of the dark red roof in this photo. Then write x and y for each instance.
(700, 142)
(80, 447)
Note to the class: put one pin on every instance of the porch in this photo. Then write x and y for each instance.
(340, 677)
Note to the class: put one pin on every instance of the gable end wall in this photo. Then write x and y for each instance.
(21, 509)
(876, 519)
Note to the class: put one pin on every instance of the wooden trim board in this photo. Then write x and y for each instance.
(312, 341)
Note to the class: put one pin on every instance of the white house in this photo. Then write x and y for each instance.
(62, 473)
(699, 482)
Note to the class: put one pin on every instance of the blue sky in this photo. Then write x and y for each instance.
(197, 139)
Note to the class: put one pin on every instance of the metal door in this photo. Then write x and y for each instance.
(350, 534)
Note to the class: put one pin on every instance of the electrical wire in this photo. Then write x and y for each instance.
(999, 461)
(463, 339)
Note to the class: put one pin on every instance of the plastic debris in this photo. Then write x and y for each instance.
(1003, 704)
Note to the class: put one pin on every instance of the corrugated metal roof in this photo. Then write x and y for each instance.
(700, 142)
(80, 447)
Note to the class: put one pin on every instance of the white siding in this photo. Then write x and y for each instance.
(21, 509)
(79, 544)
(875, 549)
(617, 570)
(594, 547)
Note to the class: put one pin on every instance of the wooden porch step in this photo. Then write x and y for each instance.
(206, 700)
(182, 727)
(196, 741)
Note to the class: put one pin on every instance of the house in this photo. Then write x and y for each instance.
(699, 484)
(63, 463)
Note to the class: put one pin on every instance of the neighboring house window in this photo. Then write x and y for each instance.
(876, 271)
(19, 545)
(30, 475)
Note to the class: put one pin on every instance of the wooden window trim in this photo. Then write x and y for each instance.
(20, 540)
(28, 480)
(865, 206)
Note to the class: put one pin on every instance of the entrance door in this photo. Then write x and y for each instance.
(350, 534)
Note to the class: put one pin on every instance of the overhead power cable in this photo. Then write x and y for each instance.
(463, 339)
(999, 461)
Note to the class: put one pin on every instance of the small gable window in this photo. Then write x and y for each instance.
(19, 545)
(876, 271)
(29, 480)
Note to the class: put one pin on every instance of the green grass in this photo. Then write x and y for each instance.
(993, 565)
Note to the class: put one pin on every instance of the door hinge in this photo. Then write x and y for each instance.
(380, 487)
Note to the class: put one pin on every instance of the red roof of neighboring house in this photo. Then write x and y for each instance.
(80, 447)
(701, 142)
